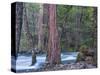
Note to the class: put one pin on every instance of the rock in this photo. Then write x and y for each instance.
(89, 60)
(61, 65)
(89, 66)
(73, 67)
(78, 65)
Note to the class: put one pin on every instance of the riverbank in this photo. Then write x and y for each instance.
(70, 66)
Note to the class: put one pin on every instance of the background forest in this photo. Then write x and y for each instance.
(76, 26)
(52, 29)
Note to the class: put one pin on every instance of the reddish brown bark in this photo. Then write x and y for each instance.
(53, 55)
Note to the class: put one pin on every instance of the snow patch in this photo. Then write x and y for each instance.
(24, 62)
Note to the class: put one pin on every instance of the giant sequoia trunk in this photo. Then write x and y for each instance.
(29, 35)
(19, 14)
(53, 54)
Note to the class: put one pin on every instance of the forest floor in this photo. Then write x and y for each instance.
(70, 66)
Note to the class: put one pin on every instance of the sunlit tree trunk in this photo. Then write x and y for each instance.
(53, 54)
(19, 14)
(28, 34)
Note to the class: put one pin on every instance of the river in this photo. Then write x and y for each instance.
(23, 62)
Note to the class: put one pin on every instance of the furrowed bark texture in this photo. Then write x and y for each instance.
(53, 56)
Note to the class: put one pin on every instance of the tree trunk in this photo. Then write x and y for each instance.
(95, 27)
(19, 14)
(40, 28)
(45, 25)
(29, 35)
(78, 28)
(95, 35)
(53, 54)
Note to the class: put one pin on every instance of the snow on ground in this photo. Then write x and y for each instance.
(24, 62)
